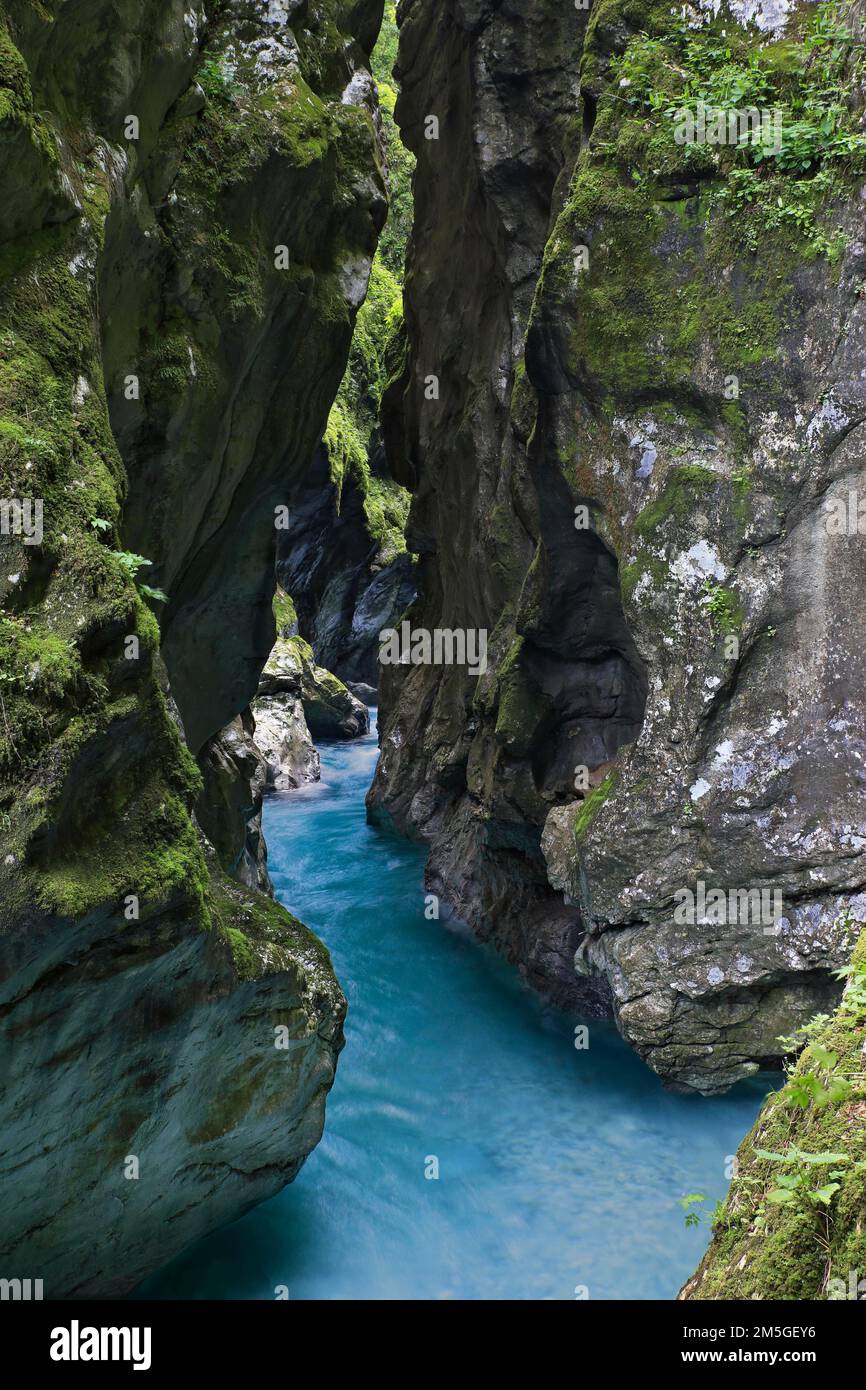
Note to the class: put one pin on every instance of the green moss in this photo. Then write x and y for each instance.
(95, 780)
(673, 66)
(651, 565)
(642, 332)
(522, 704)
(174, 364)
(271, 938)
(683, 485)
(763, 1250)
(386, 507)
(724, 606)
(400, 162)
(592, 804)
(353, 423)
(16, 99)
(524, 404)
(242, 954)
(353, 428)
(347, 451)
(680, 217)
(285, 616)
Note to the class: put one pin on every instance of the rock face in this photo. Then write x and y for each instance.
(329, 708)
(625, 479)
(344, 587)
(252, 251)
(235, 772)
(169, 1036)
(283, 738)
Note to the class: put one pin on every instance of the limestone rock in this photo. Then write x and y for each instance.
(344, 588)
(330, 710)
(365, 693)
(282, 736)
(229, 809)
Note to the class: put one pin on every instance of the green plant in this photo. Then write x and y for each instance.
(798, 1184)
(132, 563)
(781, 171)
(721, 604)
(794, 1042)
(854, 998)
(693, 1217)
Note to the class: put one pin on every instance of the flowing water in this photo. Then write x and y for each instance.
(559, 1169)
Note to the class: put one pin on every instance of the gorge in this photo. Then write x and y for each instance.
(586, 390)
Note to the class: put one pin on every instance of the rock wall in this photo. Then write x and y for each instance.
(649, 365)
(347, 582)
(235, 773)
(169, 1037)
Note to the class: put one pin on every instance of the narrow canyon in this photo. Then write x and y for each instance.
(320, 320)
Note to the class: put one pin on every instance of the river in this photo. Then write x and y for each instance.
(559, 1170)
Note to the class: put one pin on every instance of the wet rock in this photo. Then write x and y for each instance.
(345, 588)
(629, 463)
(365, 693)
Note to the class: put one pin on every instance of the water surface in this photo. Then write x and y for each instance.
(557, 1168)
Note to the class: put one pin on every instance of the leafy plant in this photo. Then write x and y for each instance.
(721, 604)
(132, 563)
(693, 1217)
(794, 1042)
(801, 1184)
(782, 170)
(854, 998)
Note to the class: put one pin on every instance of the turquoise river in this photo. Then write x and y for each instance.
(559, 1169)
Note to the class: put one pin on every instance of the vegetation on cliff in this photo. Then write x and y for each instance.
(353, 431)
(775, 184)
(794, 1222)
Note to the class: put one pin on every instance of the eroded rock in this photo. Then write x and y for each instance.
(282, 735)
(146, 1100)
(641, 422)
(330, 709)
(229, 809)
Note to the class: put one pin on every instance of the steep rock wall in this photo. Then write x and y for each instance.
(477, 782)
(346, 582)
(169, 1037)
(613, 288)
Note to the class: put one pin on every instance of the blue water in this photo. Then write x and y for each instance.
(557, 1168)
